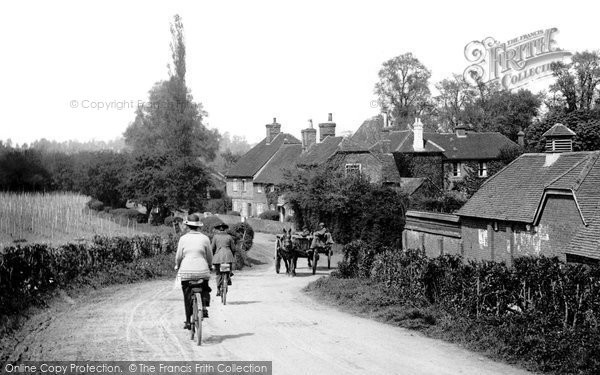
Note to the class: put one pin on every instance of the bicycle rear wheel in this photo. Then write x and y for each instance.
(198, 310)
(194, 317)
(224, 288)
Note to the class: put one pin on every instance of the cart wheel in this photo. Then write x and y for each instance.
(314, 261)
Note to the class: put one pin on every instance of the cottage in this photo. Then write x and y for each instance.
(256, 173)
(540, 204)
(443, 158)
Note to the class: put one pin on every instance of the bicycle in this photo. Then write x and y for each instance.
(225, 269)
(197, 308)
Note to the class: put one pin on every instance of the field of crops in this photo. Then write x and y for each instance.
(53, 218)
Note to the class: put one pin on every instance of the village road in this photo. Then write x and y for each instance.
(267, 317)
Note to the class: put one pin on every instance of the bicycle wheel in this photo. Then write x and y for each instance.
(224, 288)
(194, 317)
(199, 317)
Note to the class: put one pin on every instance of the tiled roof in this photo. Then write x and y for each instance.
(257, 156)
(284, 158)
(318, 153)
(369, 131)
(411, 184)
(559, 130)
(349, 145)
(515, 193)
(389, 170)
(473, 146)
(586, 241)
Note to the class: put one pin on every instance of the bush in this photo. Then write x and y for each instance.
(233, 213)
(95, 204)
(129, 213)
(173, 219)
(269, 215)
(218, 206)
(243, 235)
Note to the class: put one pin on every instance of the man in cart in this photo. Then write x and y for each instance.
(321, 239)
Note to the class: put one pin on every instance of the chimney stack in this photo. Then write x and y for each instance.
(272, 130)
(418, 135)
(309, 136)
(460, 130)
(521, 138)
(559, 139)
(327, 128)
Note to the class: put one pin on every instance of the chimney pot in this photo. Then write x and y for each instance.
(274, 120)
(330, 117)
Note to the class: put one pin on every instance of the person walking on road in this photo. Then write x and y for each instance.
(223, 248)
(193, 261)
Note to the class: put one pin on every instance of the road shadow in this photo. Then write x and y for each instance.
(242, 302)
(217, 339)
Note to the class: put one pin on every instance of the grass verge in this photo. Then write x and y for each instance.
(371, 299)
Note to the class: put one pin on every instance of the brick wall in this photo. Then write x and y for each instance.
(502, 241)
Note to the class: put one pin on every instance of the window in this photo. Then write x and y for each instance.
(260, 208)
(482, 169)
(235, 185)
(353, 169)
(243, 185)
(456, 169)
(258, 188)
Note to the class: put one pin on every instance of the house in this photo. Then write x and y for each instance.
(540, 204)
(254, 175)
(443, 158)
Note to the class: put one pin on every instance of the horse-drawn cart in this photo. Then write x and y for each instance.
(291, 247)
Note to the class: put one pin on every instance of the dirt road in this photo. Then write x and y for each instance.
(267, 318)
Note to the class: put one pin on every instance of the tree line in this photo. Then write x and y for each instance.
(403, 92)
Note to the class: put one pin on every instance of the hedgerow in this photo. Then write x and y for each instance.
(29, 271)
(540, 311)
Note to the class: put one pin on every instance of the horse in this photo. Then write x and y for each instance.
(287, 252)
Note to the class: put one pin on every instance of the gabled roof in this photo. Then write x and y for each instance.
(318, 153)
(586, 241)
(257, 156)
(284, 158)
(472, 146)
(349, 145)
(559, 130)
(515, 193)
(389, 170)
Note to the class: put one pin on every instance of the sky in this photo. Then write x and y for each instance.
(78, 70)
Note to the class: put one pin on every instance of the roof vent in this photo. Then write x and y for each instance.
(559, 139)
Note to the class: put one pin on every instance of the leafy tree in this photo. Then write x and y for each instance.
(169, 140)
(455, 96)
(403, 90)
(171, 122)
(585, 123)
(23, 170)
(350, 206)
(577, 82)
(167, 182)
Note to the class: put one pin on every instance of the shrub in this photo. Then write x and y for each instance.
(243, 235)
(210, 222)
(233, 213)
(173, 219)
(269, 215)
(129, 213)
(95, 204)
